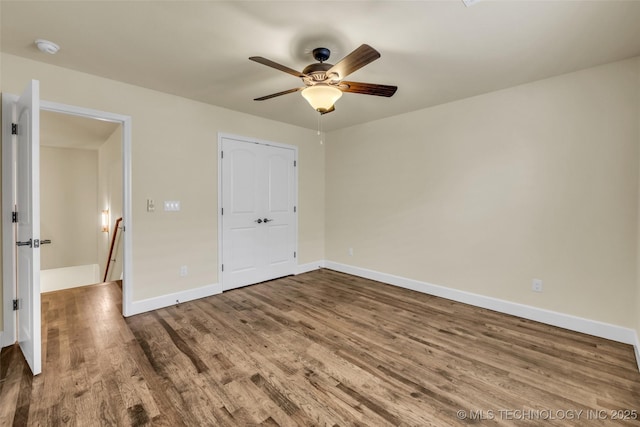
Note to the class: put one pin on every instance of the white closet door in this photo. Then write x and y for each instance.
(258, 217)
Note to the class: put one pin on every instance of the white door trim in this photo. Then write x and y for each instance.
(10, 334)
(127, 217)
(8, 189)
(221, 136)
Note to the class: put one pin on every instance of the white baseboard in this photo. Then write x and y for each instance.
(562, 320)
(310, 266)
(56, 279)
(163, 301)
(7, 339)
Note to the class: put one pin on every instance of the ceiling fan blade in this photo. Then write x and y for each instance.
(354, 61)
(333, 108)
(270, 63)
(273, 95)
(368, 88)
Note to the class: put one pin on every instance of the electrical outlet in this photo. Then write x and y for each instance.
(183, 271)
(536, 285)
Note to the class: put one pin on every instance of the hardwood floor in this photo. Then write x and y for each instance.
(322, 348)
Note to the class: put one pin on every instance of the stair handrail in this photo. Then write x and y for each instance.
(113, 242)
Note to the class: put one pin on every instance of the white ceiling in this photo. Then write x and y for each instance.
(434, 51)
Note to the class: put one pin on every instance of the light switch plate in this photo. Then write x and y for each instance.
(172, 205)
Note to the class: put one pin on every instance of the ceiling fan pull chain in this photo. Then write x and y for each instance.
(320, 128)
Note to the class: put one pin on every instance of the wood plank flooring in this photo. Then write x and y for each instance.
(318, 349)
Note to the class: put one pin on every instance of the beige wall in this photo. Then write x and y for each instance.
(487, 193)
(174, 157)
(68, 207)
(110, 196)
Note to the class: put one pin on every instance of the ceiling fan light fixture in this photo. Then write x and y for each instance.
(321, 96)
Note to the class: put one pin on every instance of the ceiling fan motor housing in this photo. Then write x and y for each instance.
(316, 73)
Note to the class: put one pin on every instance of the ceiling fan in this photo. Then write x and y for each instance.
(323, 82)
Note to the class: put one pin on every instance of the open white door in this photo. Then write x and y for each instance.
(28, 224)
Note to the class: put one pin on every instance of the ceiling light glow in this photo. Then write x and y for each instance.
(321, 96)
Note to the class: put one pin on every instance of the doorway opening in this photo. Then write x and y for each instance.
(80, 200)
(126, 231)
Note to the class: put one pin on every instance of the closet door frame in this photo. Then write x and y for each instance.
(226, 278)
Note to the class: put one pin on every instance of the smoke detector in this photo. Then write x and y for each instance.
(46, 46)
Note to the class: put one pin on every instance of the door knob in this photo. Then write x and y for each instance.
(259, 220)
(26, 243)
(267, 220)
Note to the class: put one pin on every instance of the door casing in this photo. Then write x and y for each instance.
(8, 195)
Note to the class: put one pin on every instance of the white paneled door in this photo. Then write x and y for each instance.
(28, 225)
(258, 212)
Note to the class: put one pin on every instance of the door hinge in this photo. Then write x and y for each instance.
(16, 305)
(222, 267)
(14, 216)
(294, 254)
(295, 163)
(295, 209)
(14, 128)
(221, 211)
(222, 154)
